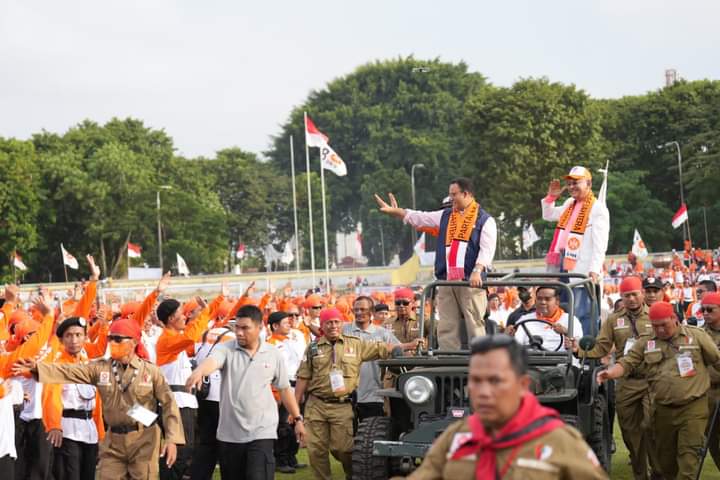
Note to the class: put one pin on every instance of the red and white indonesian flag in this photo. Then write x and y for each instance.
(680, 217)
(134, 251)
(426, 258)
(18, 263)
(639, 249)
(240, 252)
(328, 158)
(68, 259)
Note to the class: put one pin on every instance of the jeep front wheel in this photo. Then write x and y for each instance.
(365, 466)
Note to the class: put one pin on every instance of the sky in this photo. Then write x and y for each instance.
(220, 73)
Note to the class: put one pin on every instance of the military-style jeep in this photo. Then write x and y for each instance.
(431, 388)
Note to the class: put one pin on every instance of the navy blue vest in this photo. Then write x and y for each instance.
(473, 247)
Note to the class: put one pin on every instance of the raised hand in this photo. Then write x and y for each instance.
(389, 208)
(164, 282)
(224, 288)
(555, 189)
(43, 302)
(94, 269)
(11, 293)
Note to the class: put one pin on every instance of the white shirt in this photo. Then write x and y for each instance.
(551, 339)
(202, 350)
(499, 316)
(33, 408)
(176, 373)
(79, 397)
(149, 341)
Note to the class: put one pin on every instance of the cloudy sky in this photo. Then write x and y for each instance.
(220, 73)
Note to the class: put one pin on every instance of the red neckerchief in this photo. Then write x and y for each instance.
(531, 421)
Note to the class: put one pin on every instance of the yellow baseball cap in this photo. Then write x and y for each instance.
(579, 173)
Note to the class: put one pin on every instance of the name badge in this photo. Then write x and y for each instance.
(651, 347)
(620, 322)
(628, 345)
(685, 365)
(337, 382)
(141, 414)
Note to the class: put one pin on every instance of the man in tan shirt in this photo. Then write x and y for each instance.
(675, 359)
(510, 435)
(127, 384)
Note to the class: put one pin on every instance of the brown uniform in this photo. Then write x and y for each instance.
(632, 397)
(559, 454)
(677, 372)
(714, 397)
(328, 414)
(406, 330)
(130, 450)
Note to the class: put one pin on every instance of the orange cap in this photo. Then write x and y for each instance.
(129, 308)
(313, 300)
(578, 173)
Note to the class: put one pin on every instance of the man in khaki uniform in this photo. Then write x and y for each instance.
(125, 381)
(328, 374)
(621, 330)
(675, 359)
(510, 435)
(711, 315)
(405, 327)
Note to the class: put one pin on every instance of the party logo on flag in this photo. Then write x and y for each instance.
(68, 259)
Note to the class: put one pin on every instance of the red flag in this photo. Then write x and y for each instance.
(134, 251)
(680, 217)
(240, 252)
(313, 136)
(18, 263)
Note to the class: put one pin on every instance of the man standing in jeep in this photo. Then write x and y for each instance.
(510, 435)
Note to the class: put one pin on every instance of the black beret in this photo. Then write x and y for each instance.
(70, 322)
(381, 307)
(276, 317)
(166, 309)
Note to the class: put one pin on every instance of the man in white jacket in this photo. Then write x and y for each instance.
(581, 235)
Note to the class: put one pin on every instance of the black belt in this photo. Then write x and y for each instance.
(333, 399)
(123, 429)
(73, 413)
(178, 388)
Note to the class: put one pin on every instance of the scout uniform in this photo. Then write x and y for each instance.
(714, 396)
(130, 448)
(632, 397)
(677, 372)
(332, 371)
(559, 454)
(406, 330)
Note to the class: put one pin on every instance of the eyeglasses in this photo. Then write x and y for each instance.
(699, 291)
(708, 309)
(361, 310)
(118, 338)
(316, 307)
(293, 314)
(402, 303)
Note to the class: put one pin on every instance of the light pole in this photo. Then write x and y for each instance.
(160, 254)
(412, 190)
(682, 192)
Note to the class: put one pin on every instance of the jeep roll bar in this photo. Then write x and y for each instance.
(515, 279)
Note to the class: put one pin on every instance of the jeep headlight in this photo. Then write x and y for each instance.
(418, 389)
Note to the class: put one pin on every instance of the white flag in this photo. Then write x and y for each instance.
(529, 237)
(287, 256)
(426, 258)
(68, 259)
(602, 195)
(639, 249)
(332, 161)
(18, 263)
(182, 266)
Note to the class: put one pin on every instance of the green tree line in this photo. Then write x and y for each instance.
(94, 187)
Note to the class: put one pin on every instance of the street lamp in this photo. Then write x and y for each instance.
(412, 190)
(160, 254)
(682, 192)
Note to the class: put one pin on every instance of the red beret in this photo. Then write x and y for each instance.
(404, 293)
(661, 310)
(330, 314)
(128, 327)
(711, 298)
(630, 284)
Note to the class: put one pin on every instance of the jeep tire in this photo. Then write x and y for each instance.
(600, 437)
(365, 466)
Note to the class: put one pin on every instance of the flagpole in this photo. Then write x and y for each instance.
(309, 194)
(13, 264)
(62, 254)
(325, 239)
(297, 239)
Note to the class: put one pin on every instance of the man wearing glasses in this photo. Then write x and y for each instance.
(694, 310)
(405, 327)
(581, 234)
(711, 313)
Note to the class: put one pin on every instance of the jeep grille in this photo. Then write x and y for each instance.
(451, 391)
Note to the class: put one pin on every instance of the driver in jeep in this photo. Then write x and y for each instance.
(547, 326)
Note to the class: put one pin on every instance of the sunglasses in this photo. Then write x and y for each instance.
(118, 338)
(403, 303)
(317, 307)
(708, 309)
(293, 314)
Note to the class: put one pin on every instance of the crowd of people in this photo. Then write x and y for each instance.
(171, 388)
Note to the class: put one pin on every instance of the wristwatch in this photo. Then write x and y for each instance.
(478, 269)
(299, 418)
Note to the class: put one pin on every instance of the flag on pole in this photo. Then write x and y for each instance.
(332, 161)
(240, 252)
(639, 249)
(529, 237)
(68, 259)
(134, 251)
(680, 216)
(426, 258)
(287, 256)
(313, 136)
(358, 240)
(182, 266)
(602, 195)
(18, 263)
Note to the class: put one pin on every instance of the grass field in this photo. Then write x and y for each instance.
(620, 468)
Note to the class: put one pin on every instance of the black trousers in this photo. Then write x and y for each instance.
(286, 445)
(206, 445)
(34, 451)
(250, 461)
(75, 460)
(7, 466)
(369, 409)
(184, 452)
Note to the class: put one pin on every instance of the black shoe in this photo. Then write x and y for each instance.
(300, 465)
(285, 469)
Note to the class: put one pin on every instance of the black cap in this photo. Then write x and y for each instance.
(166, 309)
(70, 322)
(381, 307)
(651, 282)
(276, 317)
